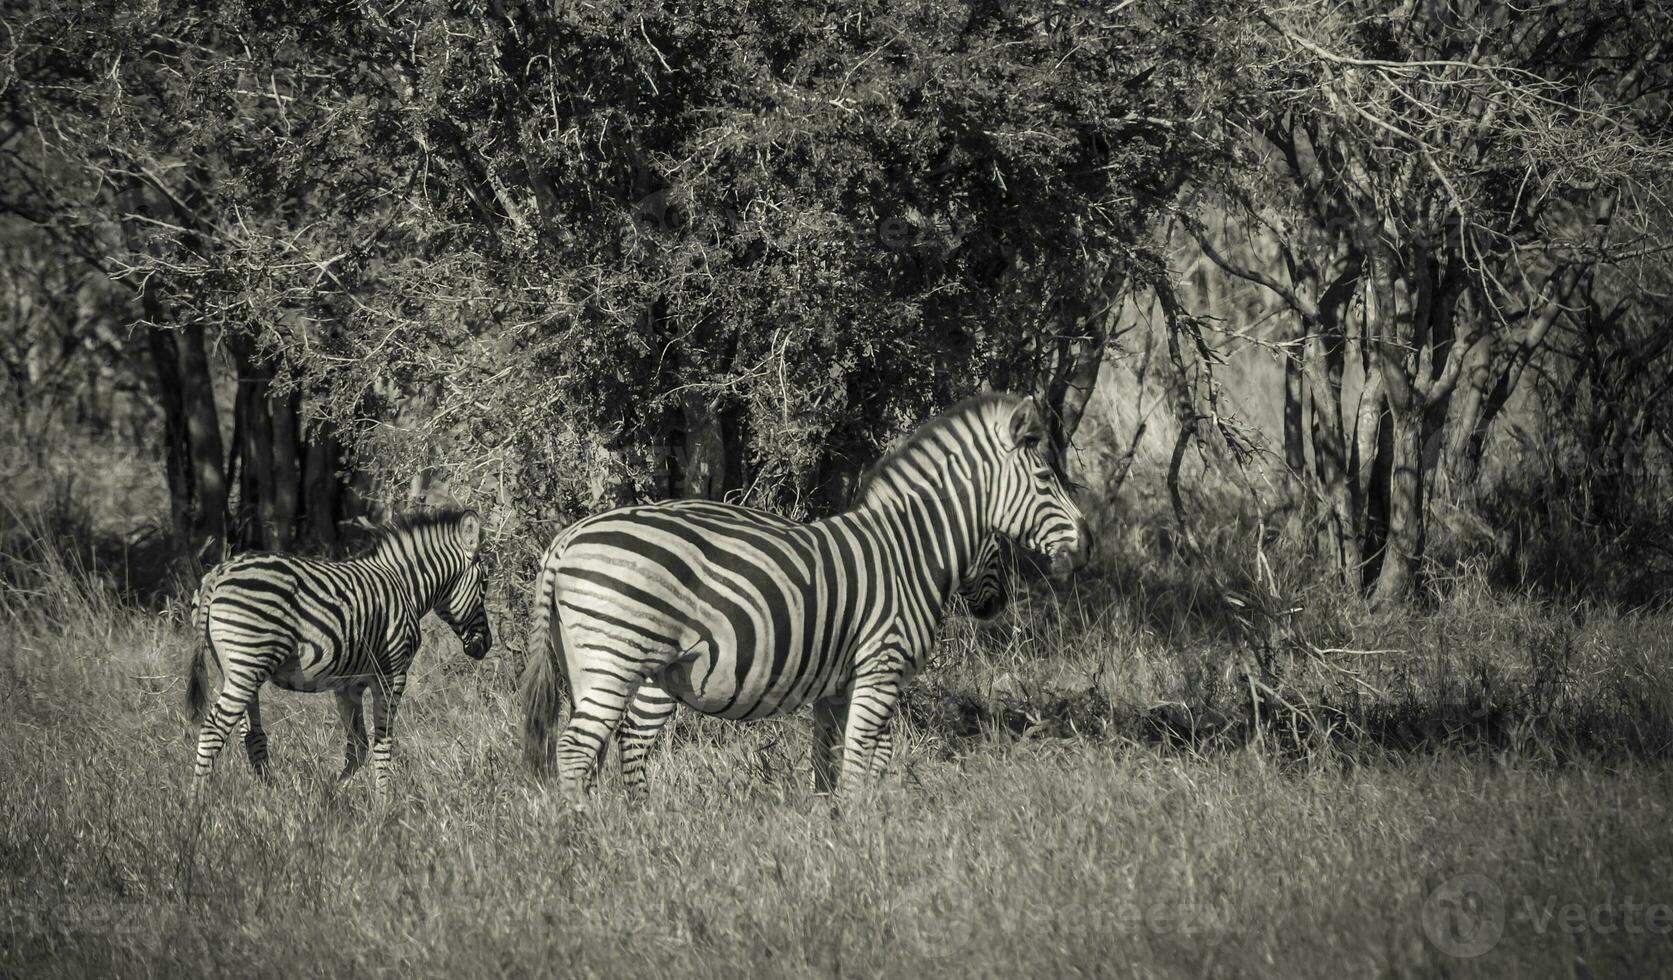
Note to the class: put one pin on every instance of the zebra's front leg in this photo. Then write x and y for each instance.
(255, 736)
(871, 704)
(650, 710)
(884, 753)
(830, 718)
(350, 713)
(386, 698)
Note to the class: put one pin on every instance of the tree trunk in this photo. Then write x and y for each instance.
(611, 484)
(1403, 553)
(1365, 433)
(1376, 449)
(255, 446)
(705, 450)
(321, 489)
(422, 405)
(1555, 294)
(203, 432)
(243, 514)
(198, 473)
(287, 471)
(1295, 454)
(1331, 462)
(836, 483)
(1185, 411)
(1467, 435)
(734, 433)
(165, 359)
(1075, 373)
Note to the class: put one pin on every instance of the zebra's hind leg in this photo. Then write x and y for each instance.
(599, 709)
(350, 713)
(238, 688)
(650, 710)
(255, 736)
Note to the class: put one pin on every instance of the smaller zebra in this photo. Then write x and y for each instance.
(310, 624)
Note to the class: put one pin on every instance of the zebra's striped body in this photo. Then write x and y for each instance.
(983, 591)
(309, 624)
(743, 615)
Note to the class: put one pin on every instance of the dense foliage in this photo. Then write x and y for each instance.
(779, 231)
(547, 259)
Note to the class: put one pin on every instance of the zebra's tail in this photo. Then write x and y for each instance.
(197, 671)
(545, 679)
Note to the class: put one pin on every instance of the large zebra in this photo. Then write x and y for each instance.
(983, 591)
(309, 624)
(743, 615)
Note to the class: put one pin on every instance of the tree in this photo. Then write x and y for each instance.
(1446, 174)
(769, 236)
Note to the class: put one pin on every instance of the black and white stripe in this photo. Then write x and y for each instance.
(309, 624)
(743, 615)
(984, 591)
(985, 596)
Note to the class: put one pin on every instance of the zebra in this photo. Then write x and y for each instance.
(983, 592)
(743, 615)
(310, 624)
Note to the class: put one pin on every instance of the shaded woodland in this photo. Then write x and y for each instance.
(329, 262)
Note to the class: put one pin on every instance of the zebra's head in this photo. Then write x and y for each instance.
(1030, 499)
(462, 605)
(983, 589)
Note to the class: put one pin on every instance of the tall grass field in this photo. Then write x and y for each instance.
(1152, 772)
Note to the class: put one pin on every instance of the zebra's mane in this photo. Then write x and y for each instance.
(974, 405)
(404, 525)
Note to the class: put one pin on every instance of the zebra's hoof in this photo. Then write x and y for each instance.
(575, 801)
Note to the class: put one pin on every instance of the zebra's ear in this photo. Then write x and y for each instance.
(1028, 426)
(470, 533)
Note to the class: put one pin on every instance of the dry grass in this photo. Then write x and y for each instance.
(1054, 810)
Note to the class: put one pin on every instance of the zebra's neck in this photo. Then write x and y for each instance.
(420, 562)
(935, 515)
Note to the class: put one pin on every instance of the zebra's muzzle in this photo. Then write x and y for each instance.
(987, 607)
(477, 643)
(1071, 555)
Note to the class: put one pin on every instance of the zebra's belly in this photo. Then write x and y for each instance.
(312, 668)
(715, 688)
